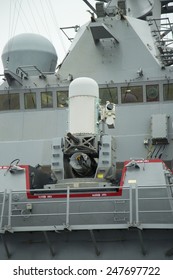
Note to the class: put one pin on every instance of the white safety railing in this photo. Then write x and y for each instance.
(160, 206)
(22, 214)
(139, 206)
(2, 207)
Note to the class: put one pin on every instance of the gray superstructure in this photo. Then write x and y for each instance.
(113, 175)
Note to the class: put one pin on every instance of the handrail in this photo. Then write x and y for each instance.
(162, 210)
(17, 210)
(2, 210)
(10, 209)
(68, 207)
(120, 212)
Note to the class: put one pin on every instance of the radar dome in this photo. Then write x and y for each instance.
(29, 49)
(83, 106)
(138, 8)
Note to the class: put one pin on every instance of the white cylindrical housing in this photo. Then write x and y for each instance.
(83, 106)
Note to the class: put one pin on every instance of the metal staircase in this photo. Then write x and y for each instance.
(162, 30)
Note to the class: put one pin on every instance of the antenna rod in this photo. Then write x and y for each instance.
(90, 6)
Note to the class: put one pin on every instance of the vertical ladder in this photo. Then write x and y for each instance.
(57, 163)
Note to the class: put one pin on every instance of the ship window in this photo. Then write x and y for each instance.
(46, 99)
(168, 92)
(131, 94)
(62, 99)
(152, 93)
(30, 100)
(108, 94)
(9, 101)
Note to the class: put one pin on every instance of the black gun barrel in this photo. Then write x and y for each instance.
(72, 137)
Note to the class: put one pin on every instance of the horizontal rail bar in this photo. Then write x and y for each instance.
(155, 211)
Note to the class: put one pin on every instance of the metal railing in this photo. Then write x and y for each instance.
(2, 207)
(18, 213)
(165, 211)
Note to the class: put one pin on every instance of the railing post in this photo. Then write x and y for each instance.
(9, 209)
(2, 209)
(137, 203)
(68, 207)
(130, 205)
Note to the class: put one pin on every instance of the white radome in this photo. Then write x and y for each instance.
(83, 106)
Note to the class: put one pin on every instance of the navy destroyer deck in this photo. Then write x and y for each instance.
(93, 136)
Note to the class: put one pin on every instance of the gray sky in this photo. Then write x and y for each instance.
(41, 16)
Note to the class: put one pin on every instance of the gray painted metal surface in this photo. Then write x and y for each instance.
(125, 50)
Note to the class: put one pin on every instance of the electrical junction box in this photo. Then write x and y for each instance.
(159, 129)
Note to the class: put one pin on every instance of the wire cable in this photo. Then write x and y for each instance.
(45, 20)
(36, 25)
(54, 19)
